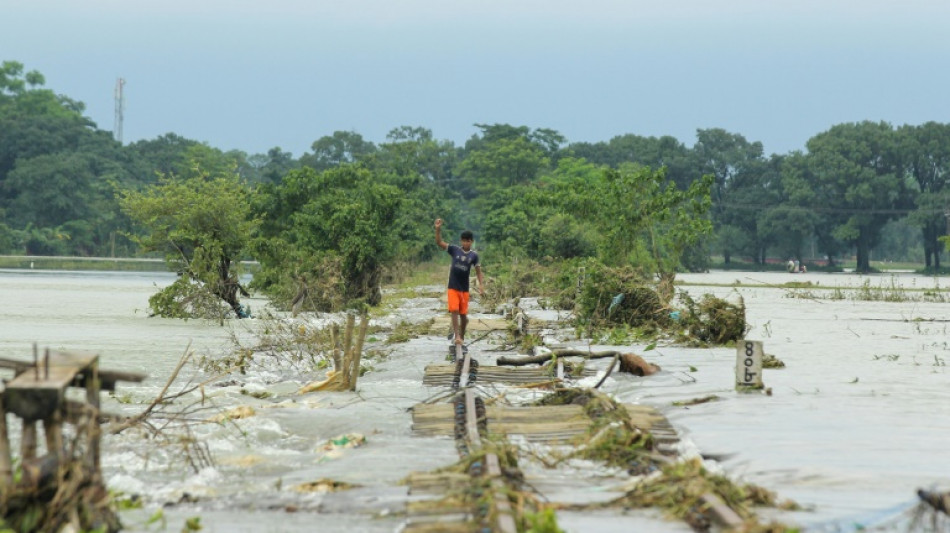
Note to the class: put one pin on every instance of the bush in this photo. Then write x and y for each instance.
(622, 295)
(714, 320)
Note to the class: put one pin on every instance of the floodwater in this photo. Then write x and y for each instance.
(857, 421)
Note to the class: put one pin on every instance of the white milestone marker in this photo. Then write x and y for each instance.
(749, 364)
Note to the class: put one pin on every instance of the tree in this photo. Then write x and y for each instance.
(789, 227)
(163, 156)
(927, 159)
(857, 180)
(501, 163)
(413, 150)
(798, 191)
(317, 226)
(549, 217)
(752, 192)
(202, 225)
(632, 215)
(648, 221)
(67, 190)
(274, 165)
(653, 152)
(340, 148)
(421, 168)
(733, 162)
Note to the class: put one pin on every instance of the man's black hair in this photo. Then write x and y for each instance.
(467, 236)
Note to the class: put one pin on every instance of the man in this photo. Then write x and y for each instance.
(463, 260)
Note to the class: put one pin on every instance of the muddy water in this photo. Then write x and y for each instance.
(857, 421)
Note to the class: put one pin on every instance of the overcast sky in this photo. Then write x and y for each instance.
(255, 74)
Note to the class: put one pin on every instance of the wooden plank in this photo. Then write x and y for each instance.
(466, 366)
(108, 377)
(721, 513)
(554, 423)
(35, 395)
(471, 420)
(504, 518)
(442, 375)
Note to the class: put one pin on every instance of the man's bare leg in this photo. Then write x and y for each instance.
(463, 319)
(455, 327)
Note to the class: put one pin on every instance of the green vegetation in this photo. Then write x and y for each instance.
(681, 487)
(329, 226)
(339, 224)
(202, 225)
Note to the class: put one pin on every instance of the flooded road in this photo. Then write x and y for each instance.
(857, 421)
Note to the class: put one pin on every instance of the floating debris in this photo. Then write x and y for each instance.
(324, 485)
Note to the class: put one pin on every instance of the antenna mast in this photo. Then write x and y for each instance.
(119, 109)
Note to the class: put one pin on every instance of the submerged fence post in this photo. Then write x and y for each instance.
(749, 365)
(6, 461)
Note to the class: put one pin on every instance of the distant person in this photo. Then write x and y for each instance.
(463, 260)
(790, 266)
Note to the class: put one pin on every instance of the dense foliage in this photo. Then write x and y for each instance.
(336, 225)
(341, 216)
(202, 226)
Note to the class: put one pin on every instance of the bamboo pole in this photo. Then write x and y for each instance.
(6, 462)
(347, 347)
(94, 432)
(334, 341)
(347, 350)
(358, 352)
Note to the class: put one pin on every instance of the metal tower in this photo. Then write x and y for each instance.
(119, 109)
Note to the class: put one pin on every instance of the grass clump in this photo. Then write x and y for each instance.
(406, 331)
(612, 438)
(713, 320)
(614, 296)
(680, 488)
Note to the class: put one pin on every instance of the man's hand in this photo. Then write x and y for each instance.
(438, 235)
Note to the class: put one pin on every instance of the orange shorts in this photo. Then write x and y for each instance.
(458, 301)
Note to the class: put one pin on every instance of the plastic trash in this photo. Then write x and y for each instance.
(614, 302)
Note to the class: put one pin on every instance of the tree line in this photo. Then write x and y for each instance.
(68, 188)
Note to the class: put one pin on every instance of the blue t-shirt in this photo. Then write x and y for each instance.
(462, 264)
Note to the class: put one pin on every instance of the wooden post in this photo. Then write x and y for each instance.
(6, 462)
(53, 429)
(347, 356)
(28, 443)
(749, 365)
(358, 352)
(92, 396)
(335, 342)
(581, 274)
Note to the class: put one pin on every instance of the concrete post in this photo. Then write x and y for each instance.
(749, 365)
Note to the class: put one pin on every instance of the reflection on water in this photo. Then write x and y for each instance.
(857, 421)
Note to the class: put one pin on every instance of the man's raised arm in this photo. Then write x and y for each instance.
(438, 234)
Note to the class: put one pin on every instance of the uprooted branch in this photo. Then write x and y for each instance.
(561, 352)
